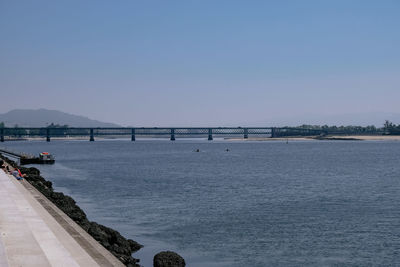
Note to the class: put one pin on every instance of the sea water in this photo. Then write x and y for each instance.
(238, 203)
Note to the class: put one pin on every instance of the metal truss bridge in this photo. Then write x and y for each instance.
(171, 132)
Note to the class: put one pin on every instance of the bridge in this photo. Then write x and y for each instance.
(171, 132)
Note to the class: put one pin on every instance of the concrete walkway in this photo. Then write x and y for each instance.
(34, 232)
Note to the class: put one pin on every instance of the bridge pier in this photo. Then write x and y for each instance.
(245, 133)
(133, 137)
(172, 134)
(210, 137)
(1, 135)
(48, 135)
(273, 133)
(91, 135)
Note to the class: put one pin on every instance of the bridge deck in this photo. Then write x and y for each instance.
(173, 132)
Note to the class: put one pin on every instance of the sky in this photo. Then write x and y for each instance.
(201, 63)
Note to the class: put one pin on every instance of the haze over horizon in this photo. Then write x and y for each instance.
(196, 63)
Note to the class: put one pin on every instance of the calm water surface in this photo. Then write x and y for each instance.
(259, 204)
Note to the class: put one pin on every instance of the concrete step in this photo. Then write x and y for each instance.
(74, 238)
(20, 245)
(34, 232)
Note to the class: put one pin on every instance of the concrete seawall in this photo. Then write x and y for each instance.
(34, 232)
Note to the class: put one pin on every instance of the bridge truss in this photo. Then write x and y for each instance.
(171, 132)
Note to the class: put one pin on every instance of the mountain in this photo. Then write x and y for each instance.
(44, 117)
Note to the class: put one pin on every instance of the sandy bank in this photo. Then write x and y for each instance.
(329, 137)
(271, 139)
(370, 137)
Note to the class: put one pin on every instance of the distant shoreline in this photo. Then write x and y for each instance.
(327, 138)
(291, 138)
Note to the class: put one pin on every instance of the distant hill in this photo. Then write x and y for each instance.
(44, 117)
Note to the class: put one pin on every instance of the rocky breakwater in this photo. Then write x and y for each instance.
(112, 240)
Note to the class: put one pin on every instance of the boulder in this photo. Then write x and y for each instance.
(168, 259)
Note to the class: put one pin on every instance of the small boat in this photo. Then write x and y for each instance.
(46, 158)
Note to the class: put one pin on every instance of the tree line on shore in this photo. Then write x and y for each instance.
(20, 131)
(391, 128)
(388, 128)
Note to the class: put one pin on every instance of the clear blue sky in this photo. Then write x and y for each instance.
(160, 63)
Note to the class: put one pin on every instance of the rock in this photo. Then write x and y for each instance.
(168, 259)
(135, 246)
(68, 205)
(112, 240)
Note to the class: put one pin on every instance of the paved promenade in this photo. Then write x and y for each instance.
(34, 232)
